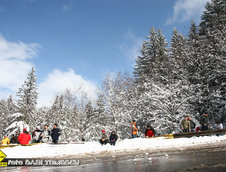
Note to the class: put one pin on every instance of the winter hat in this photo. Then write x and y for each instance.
(24, 129)
(103, 131)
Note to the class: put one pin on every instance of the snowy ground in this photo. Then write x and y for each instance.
(94, 148)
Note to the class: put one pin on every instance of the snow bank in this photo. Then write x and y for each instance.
(49, 150)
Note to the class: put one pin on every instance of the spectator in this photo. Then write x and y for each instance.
(113, 138)
(192, 124)
(45, 135)
(138, 131)
(5, 141)
(103, 139)
(55, 134)
(24, 137)
(218, 125)
(204, 120)
(185, 125)
(17, 135)
(198, 129)
(13, 139)
(149, 132)
(133, 129)
(36, 135)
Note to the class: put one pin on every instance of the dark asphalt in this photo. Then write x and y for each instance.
(208, 159)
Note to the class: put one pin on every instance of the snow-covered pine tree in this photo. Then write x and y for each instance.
(194, 55)
(7, 108)
(116, 91)
(28, 98)
(89, 113)
(4, 118)
(66, 120)
(17, 124)
(144, 63)
(161, 63)
(122, 87)
(57, 115)
(167, 105)
(196, 67)
(11, 108)
(178, 58)
(79, 116)
(212, 31)
(42, 118)
(157, 72)
(11, 105)
(98, 119)
(140, 72)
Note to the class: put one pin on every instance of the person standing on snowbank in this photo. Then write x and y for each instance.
(192, 124)
(113, 138)
(138, 131)
(24, 137)
(103, 139)
(133, 129)
(204, 120)
(185, 125)
(55, 134)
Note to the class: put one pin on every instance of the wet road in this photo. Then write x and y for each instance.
(209, 159)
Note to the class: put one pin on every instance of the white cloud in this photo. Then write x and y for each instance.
(185, 10)
(132, 45)
(16, 50)
(58, 81)
(13, 73)
(14, 65)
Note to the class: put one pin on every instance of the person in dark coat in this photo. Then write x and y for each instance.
(55, 134)
(24, 137)
(17, 135)
(204, 120)
(192, 124)
(13, 139)
(113, 138)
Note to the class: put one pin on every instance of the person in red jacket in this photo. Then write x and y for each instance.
(24, 137)
(150, 132)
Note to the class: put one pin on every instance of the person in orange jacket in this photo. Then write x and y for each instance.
(5, 141)
(133, 129)
(24, 137)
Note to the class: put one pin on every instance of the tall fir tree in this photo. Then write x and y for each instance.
(28, 96)
(212, 31)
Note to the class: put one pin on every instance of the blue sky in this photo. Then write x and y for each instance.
(78, 41)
